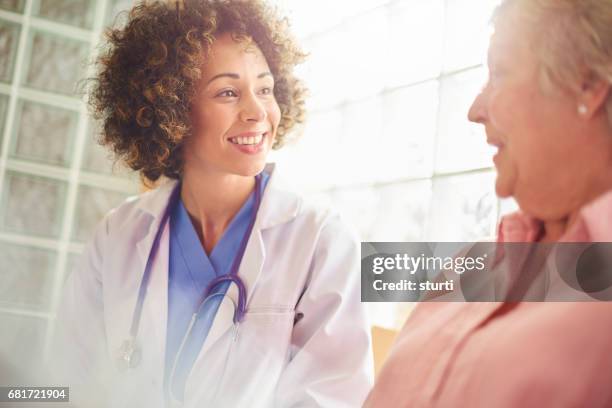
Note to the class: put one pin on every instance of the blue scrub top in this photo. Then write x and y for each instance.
(190, 271)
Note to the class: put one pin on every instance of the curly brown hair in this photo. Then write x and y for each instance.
(148, 74)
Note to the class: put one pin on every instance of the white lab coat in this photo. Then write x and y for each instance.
(304, 340)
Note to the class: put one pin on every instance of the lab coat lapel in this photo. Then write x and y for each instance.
(154, 204)
(249, 270)
(155, 307)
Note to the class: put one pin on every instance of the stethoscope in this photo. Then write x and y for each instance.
(129, 353)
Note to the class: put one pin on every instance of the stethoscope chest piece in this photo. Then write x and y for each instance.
(128, 355)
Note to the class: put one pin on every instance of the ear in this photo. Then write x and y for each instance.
(594, 94)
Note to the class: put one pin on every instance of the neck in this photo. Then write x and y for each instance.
(212, 199)
(555, 229)
(591, 177)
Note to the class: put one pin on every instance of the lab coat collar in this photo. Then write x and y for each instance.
(278, 206)
(155, 202)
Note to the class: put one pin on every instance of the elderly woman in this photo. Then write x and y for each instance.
(217, 288)
(547, 107)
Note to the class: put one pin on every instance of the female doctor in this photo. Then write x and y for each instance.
(217, 288)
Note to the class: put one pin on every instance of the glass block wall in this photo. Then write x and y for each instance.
(387, 141)
(55, 181)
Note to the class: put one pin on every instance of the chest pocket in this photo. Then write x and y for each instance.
(266, 332)
(259, 354)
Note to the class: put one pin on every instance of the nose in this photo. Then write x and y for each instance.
(252, 109)
(478, 110)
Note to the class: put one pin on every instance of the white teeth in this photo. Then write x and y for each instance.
(251, 140)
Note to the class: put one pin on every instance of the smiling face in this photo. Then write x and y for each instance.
(235, 115)
(543, 152)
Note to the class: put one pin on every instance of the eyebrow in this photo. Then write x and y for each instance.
(236, 76)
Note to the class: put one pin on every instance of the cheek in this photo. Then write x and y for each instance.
(274, 113)
(212, 121)
(516, 114)
(511, 108)
(274, 117)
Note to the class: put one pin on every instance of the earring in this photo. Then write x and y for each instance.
(582, 109)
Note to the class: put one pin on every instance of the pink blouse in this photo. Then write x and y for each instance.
(502, 354)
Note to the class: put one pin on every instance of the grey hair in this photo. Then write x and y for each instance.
(573, 40)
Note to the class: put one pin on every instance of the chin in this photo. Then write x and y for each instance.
(251, 170)
(502, 190)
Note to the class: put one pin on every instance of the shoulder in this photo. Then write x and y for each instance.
(320, 229)
(329, 221)
(310, 217)
(138, 210)
(286, 205)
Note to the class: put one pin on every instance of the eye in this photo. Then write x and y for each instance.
(228, 93)
(266, 90)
